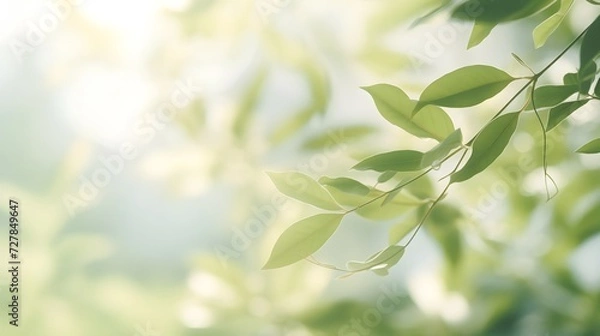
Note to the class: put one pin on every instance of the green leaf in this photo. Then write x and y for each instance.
(338, 136)
(597, 88)
(393, 194)
(422, 187)
(542, 32)
(551, 95)
(444, 148)
(465, 87)
(562, 111)
(591, 147)
(319, 85)
(398, 205)
(376, 209)
(480, 31)
(350, 199)
(590, 48)
(586, 76)
(488, 145)
(443, 228)
(386, 176)
(381, 271)
(499, 11)
(303, 188)
(380, 58)
(431, 13)
(384, 259)
(570, 79)
(302, 239)
(520, 60)
(401, 160)
(346, 185)
(487, 14)
(396, 107)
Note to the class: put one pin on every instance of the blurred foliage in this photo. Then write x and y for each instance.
(506, 261)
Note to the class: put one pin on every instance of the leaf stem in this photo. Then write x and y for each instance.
(435, 202)
(388, 192)
(523, 88)
(532, 80)
(544, 146)
(562, 53)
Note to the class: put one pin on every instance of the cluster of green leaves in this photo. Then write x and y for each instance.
(426, 118)
(487, 14)
(577, 84)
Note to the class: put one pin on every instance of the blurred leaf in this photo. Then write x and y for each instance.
(292, 125)
(386, 176)
(499, 11)
(381, 260)
(422, 188)
(249, 103)
(319, 85)
(201, 5)
(395, 106)
(542, 32)
(404, 227)
(232, 275)
(591, 147)
(444, 148)
(399, 204)
(336, 318)
(580, 184)
(302, 239)
(391, 14)
(346, 185)
(589, 224)
(303, 188)
(465, 87)
(443, 4)
(382, 59)
(597, 88)
(443, 228)
(372, 206)
(351, 199)
(590, 48)
(551, 95)
(193, 118)
(401, 160)
(488, 145)
(337, 136)
(396, 190)
(562, 111)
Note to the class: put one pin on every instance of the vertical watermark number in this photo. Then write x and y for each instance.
(14, 263)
